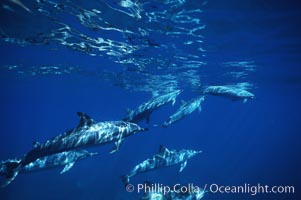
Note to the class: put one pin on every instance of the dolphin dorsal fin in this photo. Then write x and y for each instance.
(162, 148)
(183, 165)
(128, 111)
(84, 120)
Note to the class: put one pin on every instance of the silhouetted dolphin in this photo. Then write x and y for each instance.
(145, 110)
(67, 159)
(231, 92)
(186, 109)
(87, 133)
(163, 158)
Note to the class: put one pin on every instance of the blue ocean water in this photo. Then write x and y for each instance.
(102, 57)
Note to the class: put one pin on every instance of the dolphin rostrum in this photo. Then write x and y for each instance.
(165, 157)
(87, 133)
(231, 92)
(66, 159)
(186, 109)
(145, 110)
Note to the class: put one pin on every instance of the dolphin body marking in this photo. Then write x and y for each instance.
(87, 133)
(165, 157)
(231, 92)
(66, 159)
(145, 110)
(186, 109)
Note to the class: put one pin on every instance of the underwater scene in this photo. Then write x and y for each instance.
(150, 100)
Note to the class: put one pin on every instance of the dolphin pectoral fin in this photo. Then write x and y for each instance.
(67, 167)
(183, 165)
(117, 145)
(245, 100)
(114, 149)
(173, 102)
(200, 108)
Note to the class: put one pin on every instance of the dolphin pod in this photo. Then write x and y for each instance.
(165, 157)
(62, 150)
(66, 159)
(87, 133)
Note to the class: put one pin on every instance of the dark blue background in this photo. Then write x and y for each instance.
(255, 142)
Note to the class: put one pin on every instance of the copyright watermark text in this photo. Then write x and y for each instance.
(210, 188)
(251, 189)
(164, 189)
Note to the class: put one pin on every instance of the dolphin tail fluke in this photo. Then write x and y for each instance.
(125, 180)
(9, 179)
(11, 171)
